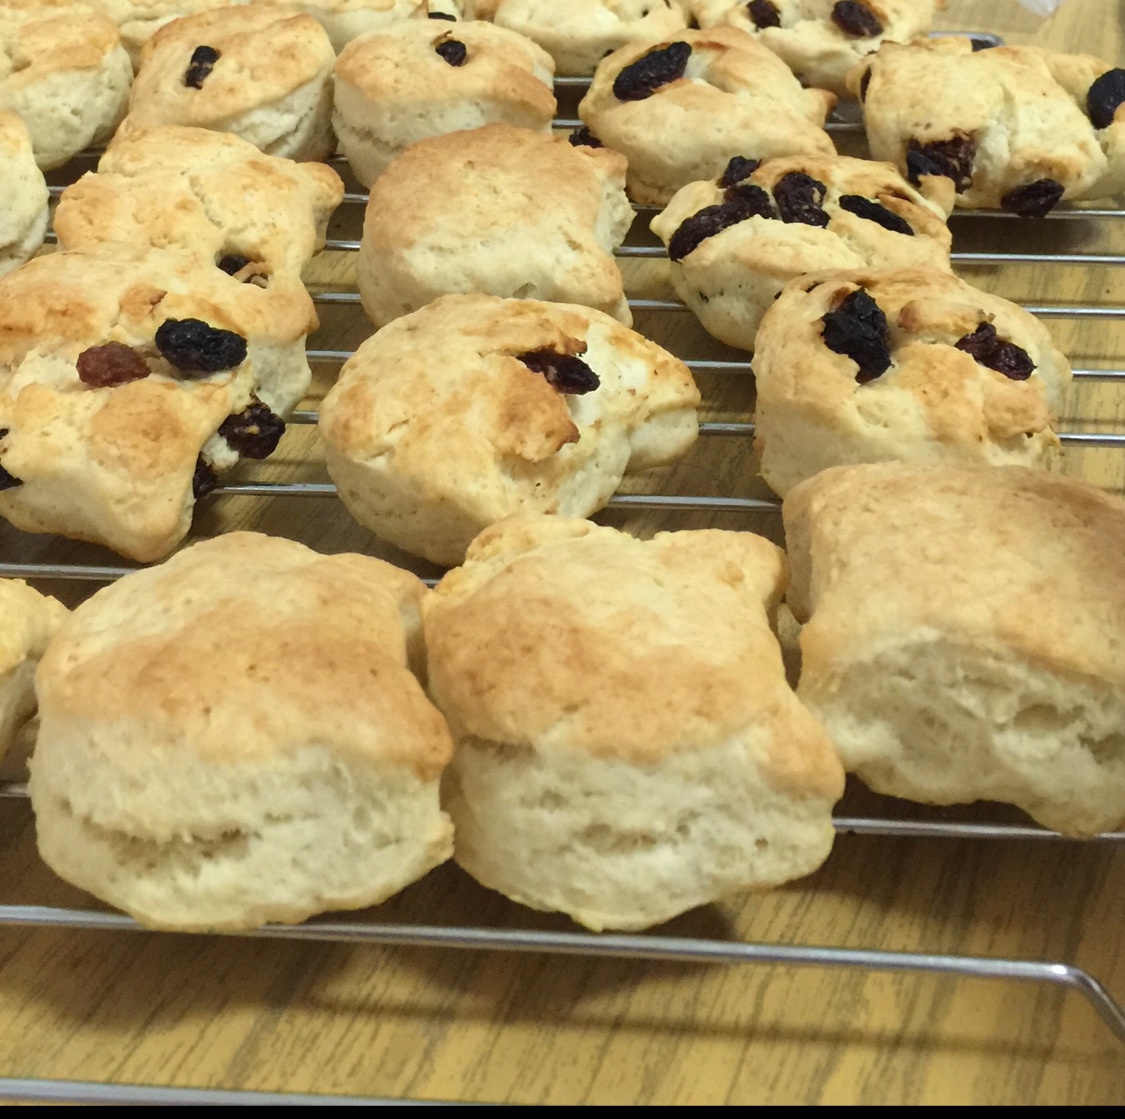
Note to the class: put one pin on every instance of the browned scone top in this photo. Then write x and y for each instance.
(139, 20)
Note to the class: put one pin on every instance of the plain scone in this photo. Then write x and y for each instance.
(28, 621)
(964, 634)
(969, 377)
(239, 736)
(346, 20)
(627, 745)
(24, 214)
(498, 210)
(437, 428)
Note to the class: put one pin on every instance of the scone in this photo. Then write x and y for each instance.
(682, 109)
(821, 40)
(909, 365)
(498, 210)
(64, 71)
(239, 736)
(735, 241)
(1020, 128)
(28, 621)
(424, 78)
(345, 20)
(627, 746)
(24, 213)
(580, 33)
(963, 636)
(210, 194)
(475, 408)
(139, 20)
(262, 71)
(128, 378)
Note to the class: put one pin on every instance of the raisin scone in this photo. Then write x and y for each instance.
(129, 377)
(735, 242)
(866, 366)
(974, 652)
(262, 71)
(821, 40)
(24, 213)
(681, 110)
(28, 621)
(578, 34)
(1019, 128)
(498, 210)
(628, 747)
(347, 20)
(139, 20)
(425, 78)
(241, 736)
(210, 194)
(64, 71)
(475, 408)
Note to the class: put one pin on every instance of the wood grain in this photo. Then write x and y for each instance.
(204, 1011)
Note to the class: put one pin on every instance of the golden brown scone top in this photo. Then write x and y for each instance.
(39, 38)
(28, 620)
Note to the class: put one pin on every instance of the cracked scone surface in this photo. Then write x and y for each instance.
(238, 736)
(24, 215)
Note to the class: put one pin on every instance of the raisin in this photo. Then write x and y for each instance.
(8, 481)
(202, 62)
(453, 51)
(1035, 200)
(112, 364)
(763, 14)
(742, 202)
(873, 211)
(442, 15)
(564, 373)
(738, 169)
(204, 480)
(985, 346)
(584, 138)
(856, 20)
(194, 347)
(858, 329)
(952, 158)
(657, 68)
(753, 199)
(1104, 98)
(233, 263)
(254, 432)
(799, 197)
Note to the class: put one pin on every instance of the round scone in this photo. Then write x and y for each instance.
(535, 217)
(262, 71)
(129, 377)
(238, 736)
(1020, 128)
(734, 242)
(64, 71)
(908, 365)
(580, 33)
(627, 746)
(963, 636)
(475, 408)
(24, 214)
(424, 78)
(139, 20)
(210, 194)
(28, 621)
(345, 20)
(821, 40)
(681, 110)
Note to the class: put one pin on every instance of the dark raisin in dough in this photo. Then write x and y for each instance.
(856, 20)
(858, 329)
(1105, 95)
(442, 15)
(232, 263)
(741, 202)
(1035, 200)
(254, 432)
(873, 211)
(204, 480)
(985, 346)
(738, 169)
(113, 363)
(453, 51)
(763, 14)
(584, 138)
(563, 372)
(202, 62)
(657, 68)
(751, 198)
(799, 197)
(952, 158)
(195, 348)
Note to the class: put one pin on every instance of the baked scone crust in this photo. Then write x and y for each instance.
(23, 217)
(963, 636)
(536, 218)
(736, 98)
(935, 402)
(347, 20)
(138, 20)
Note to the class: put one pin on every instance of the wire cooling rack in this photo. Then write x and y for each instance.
(646, 946)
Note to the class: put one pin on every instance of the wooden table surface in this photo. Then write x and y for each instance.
(130, 1007)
